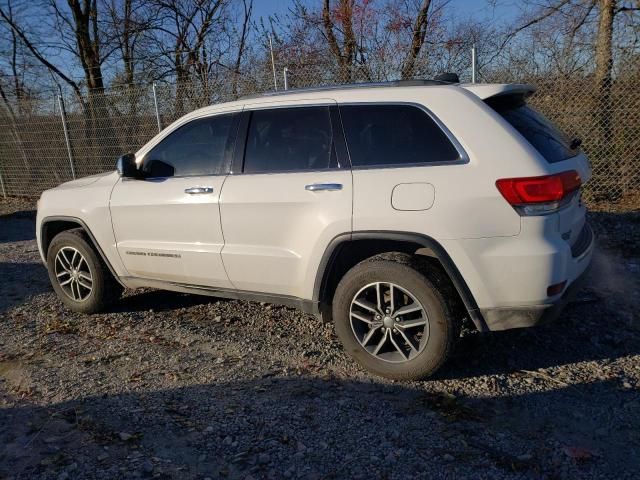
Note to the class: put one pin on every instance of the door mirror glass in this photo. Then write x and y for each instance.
(126, 166)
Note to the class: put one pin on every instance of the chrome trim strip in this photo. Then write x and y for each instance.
(198, 190)
(318, 187)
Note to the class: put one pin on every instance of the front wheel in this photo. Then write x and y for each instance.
(392, 319)
(78, 275)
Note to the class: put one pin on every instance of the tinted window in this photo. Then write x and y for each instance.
(197, 148)
(394, 134)
(545, 137)
(286, 139)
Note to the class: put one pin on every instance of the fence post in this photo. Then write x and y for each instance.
(4, 192)
(474, 63)
(66, 135)
(286, 78)
(155, 103)
(273, 64)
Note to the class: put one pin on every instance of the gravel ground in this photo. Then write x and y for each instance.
(167, 385)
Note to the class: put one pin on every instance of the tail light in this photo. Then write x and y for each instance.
(539, 195)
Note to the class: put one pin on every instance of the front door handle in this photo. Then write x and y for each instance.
(317, 187)
(198, 190)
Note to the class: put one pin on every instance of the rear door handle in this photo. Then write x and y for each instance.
(317, 187)
(198, 190)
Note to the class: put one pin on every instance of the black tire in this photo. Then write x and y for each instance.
(105, 289)
(408, 273)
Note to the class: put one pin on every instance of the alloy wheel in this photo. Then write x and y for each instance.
(389, 322)
(73, 274)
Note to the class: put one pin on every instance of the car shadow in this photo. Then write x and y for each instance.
(305, 427)
(18, 226)
(599, 324)
(569, 340)
(20, 281)
(159, 301)
(617, 230)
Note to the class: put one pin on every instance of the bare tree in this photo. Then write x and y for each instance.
(129, 22)
(37, 51)
(344, 51)
(417, 39)
(575, 15)
(183, 28)
(84, 22)
(242, 44)
(18, 85)
(369, 40)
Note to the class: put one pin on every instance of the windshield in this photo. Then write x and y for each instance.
(539, 131)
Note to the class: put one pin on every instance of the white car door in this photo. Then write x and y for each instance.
(167, 224)
(289, 196)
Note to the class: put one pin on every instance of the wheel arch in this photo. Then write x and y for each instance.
(52, 226)
(346, 250)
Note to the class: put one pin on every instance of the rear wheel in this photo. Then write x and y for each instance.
(392, 319)
(78, 274)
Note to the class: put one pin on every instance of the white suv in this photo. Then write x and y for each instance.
(395, 209)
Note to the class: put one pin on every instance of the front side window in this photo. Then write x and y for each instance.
(197, 148)
(289, 139)
(394, 135)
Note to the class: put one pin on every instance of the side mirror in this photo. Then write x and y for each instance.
(126, 166)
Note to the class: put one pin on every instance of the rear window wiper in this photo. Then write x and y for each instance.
(575, 143)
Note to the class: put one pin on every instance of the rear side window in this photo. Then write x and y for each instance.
(289, 139)
(539, 131)
(197, 148)
(394, 135)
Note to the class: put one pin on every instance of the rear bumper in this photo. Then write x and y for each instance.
(522, 317)
(509, 276)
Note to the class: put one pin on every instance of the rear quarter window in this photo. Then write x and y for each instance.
(389, 135)
(538, 130)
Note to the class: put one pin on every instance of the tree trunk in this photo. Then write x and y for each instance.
(127, 49)
(241, 47)
(604, 66)
(417, 40)
(86, 22)
(345, 56)
(182, 77)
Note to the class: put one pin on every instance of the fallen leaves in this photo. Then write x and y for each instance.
(578, 454)
(447, 405)
(64, 327)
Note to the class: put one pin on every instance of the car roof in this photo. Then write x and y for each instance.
(482, 90)
(343, 93)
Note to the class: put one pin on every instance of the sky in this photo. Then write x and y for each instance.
(504, 10)
(498, 10)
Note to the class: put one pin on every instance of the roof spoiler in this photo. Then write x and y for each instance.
(489, 90)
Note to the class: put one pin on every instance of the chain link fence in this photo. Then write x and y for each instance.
(55, 138)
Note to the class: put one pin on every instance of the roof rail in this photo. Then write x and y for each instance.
(443, 79)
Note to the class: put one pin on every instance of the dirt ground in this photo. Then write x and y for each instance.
(168, 385)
